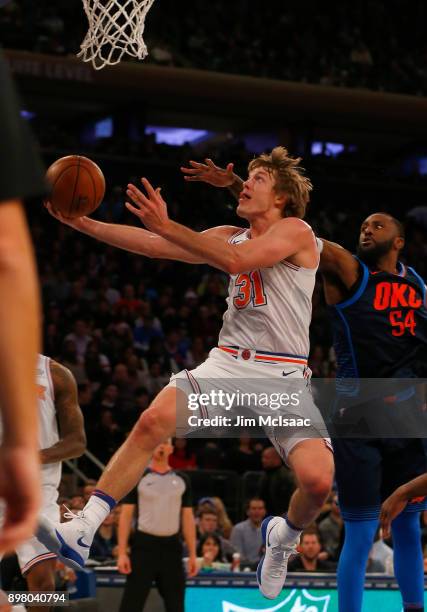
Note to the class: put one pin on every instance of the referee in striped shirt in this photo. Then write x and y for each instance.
(163, 502)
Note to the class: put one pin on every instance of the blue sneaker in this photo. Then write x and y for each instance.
(70, 541)
(272, 569)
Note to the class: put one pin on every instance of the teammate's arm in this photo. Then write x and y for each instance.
(189, 535)
(123, 533)
(72, 441)
(398, 500)
(138, 240)
(284, 239)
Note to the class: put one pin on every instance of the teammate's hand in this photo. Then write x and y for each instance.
(209, 173)
(150, 208)
(124, 565)
(192, 568)
(391, 508)
(75, 223)
(20, 490)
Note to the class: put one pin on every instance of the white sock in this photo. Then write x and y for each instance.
(286, 534)
(96, 511)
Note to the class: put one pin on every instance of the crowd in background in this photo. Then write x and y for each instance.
(366, 44)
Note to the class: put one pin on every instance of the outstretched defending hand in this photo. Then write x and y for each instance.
(209, 173)
(152, 210)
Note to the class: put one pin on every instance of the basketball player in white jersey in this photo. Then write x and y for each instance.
(61, 436)
(272, 267)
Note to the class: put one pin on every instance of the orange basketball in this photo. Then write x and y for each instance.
(77, 186)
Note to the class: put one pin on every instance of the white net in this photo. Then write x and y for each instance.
(116, 28)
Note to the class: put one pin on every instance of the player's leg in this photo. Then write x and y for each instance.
(71, 541)
(358, 476)
(404, 460)
(313, 466)
(41, 577)
(408, 560)
(145, 565)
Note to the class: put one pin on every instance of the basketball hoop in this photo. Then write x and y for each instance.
(116, 28)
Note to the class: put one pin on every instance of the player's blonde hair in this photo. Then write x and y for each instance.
(289, 179)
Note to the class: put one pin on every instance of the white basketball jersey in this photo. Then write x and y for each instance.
(48, 425)
(269, 309)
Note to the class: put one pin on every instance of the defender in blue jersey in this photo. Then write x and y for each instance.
(379, 315)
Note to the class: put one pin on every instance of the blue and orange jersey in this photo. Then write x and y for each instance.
(380, 331)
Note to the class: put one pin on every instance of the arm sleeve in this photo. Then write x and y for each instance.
(21, 168)
(187, 496)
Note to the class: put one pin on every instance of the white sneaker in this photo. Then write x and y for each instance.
(273, 566)
(70, 541)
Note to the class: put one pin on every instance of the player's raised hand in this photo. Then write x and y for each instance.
(150, 208)
(209, 173)
(75, 223)
(391, 508)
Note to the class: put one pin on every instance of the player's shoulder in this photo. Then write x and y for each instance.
(293, 224)
(61, 375)
(225, 232)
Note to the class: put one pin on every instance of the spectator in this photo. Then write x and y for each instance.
(80, 337)
(309, 559)
(208, 524)
(154, 380)
(246, 536)
(107, 436)
(331, 530)
(381, 555)
(97, 365)
(110, 397)
(276, 484)
(182, 457)
(71, 360)
(209, 548)
(224, 524)
(129, 300)
(243, 458)
(210, 456)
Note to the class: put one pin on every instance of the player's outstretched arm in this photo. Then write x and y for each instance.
(398, 500)
(340, 270)
(214, 175)
(72, 442)
(286, 238)
(133, 239)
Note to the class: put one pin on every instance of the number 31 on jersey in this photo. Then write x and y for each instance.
(250, 289)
